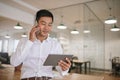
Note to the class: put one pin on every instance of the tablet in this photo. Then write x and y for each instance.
(53, 59)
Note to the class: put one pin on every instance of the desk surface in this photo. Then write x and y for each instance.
(74, 76)
(79, 61)
(7, 73)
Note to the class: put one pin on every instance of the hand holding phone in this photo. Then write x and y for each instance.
(34, 30)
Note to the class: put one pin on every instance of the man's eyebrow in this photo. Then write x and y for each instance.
(42, 21)
(45, 22)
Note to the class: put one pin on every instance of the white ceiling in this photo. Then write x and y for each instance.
(23, 11)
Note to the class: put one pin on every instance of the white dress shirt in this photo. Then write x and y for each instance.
(32, 56)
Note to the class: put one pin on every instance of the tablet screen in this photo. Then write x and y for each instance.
(53, 59)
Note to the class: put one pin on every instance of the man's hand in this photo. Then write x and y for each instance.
(32, 35)
(65, 65)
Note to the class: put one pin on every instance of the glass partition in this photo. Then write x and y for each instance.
(88, 45)
(94, 46)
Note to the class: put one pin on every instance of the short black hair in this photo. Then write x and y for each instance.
(43, 13)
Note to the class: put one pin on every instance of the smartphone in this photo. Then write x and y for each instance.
(36, 24)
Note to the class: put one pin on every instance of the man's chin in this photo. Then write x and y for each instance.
(45, 35)
(42, 34)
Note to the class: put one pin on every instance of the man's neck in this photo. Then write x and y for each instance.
(41, 38)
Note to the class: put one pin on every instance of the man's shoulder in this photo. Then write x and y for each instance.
(23, 39)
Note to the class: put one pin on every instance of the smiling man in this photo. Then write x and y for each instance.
(32, 52)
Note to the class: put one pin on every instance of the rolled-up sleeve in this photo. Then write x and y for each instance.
(21, 52)
(62, 73)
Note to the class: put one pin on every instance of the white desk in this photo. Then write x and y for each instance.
(79, 63)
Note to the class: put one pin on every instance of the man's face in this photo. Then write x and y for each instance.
(45, 26)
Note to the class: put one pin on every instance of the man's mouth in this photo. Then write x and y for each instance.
(45, 31)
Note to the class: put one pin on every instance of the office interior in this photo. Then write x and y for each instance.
(94, 42)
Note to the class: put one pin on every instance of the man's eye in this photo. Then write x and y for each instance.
(50, 25)
(43, 24)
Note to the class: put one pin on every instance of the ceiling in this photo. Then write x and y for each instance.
(23, 11)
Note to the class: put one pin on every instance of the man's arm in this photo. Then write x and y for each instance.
(21, 52)
(63, 67)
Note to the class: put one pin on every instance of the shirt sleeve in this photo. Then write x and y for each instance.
(58, 68)
(62, 73)
(21, 52)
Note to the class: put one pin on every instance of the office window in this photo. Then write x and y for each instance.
(15, 44)
(0, 45)
(5, 45)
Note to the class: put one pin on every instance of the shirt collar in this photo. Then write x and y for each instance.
(46, 40)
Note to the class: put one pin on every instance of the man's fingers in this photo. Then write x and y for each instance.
(63, 65)
(68, 61)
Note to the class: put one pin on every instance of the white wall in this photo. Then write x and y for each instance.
(112, 46)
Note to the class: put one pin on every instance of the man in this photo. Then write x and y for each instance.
(32, 52)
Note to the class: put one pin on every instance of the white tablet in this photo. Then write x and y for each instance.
(53, 59)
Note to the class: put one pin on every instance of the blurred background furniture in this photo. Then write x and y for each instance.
(73, 66)
(116, 66)
(77, 65)
(4, 58)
